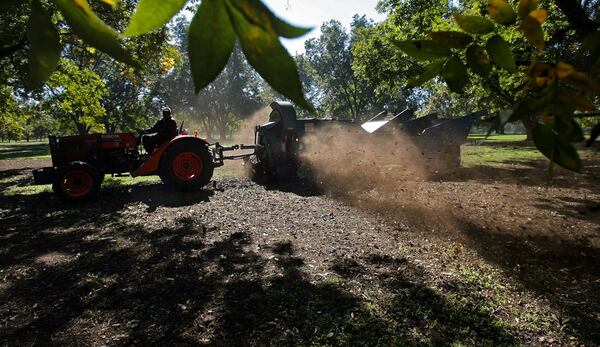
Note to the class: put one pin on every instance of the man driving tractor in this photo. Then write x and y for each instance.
(163, 131)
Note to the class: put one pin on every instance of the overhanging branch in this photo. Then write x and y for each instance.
(577, 16)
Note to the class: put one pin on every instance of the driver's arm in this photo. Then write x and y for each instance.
(154, 129)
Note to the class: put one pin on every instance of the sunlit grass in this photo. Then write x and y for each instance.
(20, 150)
(493, 156)
(484, 154)
(498, 138)
(110, 181)
(28, 189)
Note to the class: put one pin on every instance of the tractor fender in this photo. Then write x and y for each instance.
(151, 166)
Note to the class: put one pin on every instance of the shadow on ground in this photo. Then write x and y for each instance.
(108, 199)
(170, 286)
(9, 178)
(84, 274)
(564, 272)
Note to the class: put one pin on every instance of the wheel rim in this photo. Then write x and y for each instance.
(77, 183)
(187, 166)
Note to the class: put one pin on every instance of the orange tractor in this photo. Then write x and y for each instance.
(79, 163)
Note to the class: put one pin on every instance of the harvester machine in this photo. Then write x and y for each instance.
(280, 142)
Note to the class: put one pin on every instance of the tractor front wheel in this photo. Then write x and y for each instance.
(186, 166)
(76, 181)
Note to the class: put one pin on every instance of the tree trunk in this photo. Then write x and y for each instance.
(205, 129)
(529, 123)
(222, 133)
(81, 128)
(500, 129)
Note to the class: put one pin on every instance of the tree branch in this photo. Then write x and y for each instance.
(577, 16)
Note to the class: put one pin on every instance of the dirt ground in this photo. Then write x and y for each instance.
(486, 256)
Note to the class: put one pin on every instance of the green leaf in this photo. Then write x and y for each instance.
(501, 12)
(478, 60)
(152, 14)
(430, 72)
(545, 139)
(556, 149)
(259, 14)
(567, 156)
(210, 42)
(526, 6)
(45, 47)
(268, 56)
(560, 116)
(451, 39)
(568, 129)
(532, 30)
(84, 22)
(532, 105)
(577, 101)
(582, 81)
(455, 74)
(500, 54)
(474, 24)
(540, 98)
(287, 30)
(423, 49)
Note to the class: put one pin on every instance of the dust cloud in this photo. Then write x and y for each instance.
(347, 159)
(245, 134)
(383, 172)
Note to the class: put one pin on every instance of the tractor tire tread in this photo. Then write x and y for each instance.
(165, 169)
(77, 165)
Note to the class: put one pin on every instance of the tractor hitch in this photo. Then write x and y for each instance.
(219, 157)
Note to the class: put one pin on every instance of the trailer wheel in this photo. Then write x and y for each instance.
(186, 165)
(76, 181)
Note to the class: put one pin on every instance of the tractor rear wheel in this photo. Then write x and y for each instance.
(76, 181)
(186, 165)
